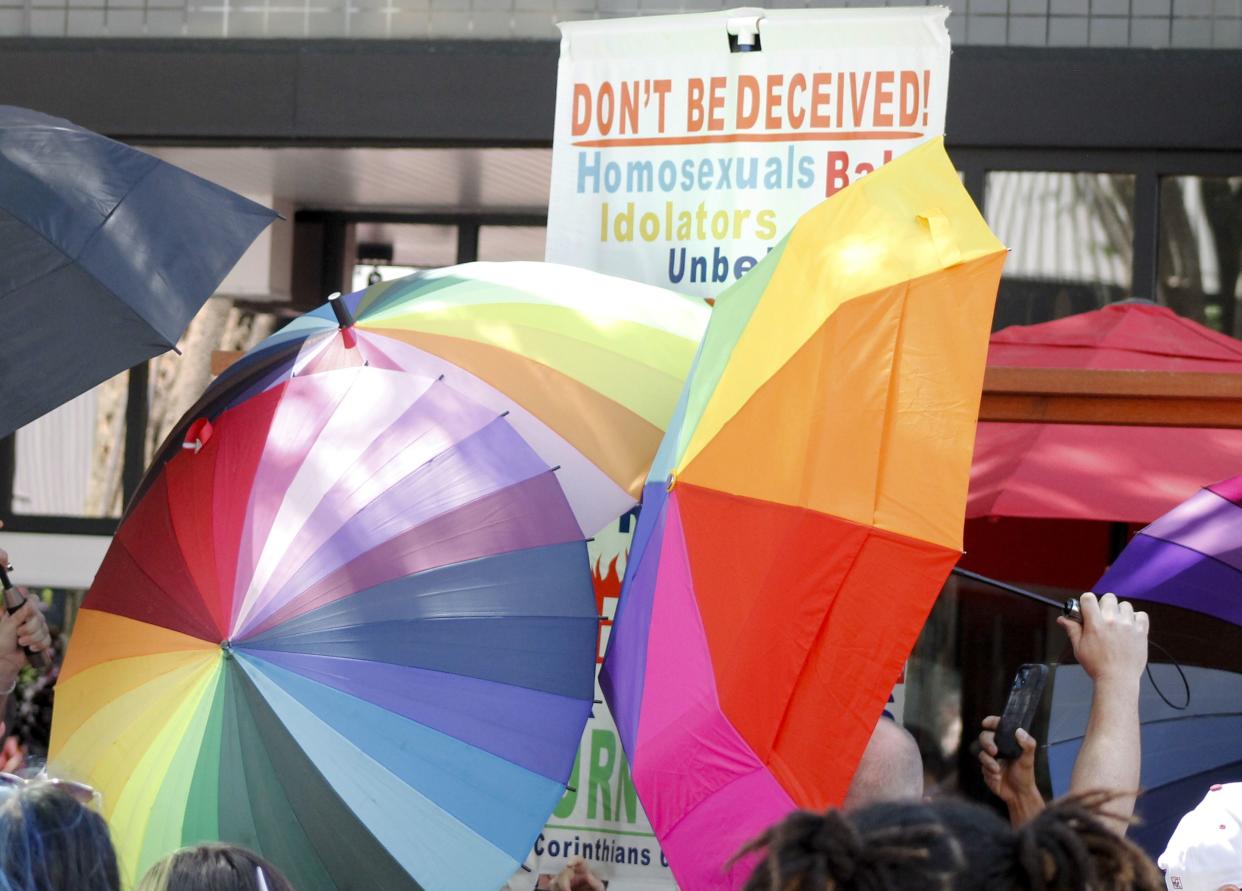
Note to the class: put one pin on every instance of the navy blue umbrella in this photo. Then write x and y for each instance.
(1190, 713)
(1184, 752)
(108, 254)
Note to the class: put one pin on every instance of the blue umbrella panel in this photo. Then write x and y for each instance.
(1184, 750)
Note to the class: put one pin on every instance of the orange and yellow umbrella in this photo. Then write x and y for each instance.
(803, 511)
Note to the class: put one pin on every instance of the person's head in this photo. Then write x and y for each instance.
(213, 868)
(1205, 851)
(49, 841)
(891, 768)
(949, 844)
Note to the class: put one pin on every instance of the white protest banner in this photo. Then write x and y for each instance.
(685, 148)
(679, 162)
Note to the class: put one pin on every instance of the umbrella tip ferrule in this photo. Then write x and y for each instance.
(344, 317)
(670, 483)
(226, 647)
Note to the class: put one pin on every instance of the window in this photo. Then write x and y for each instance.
(512, 242)
(1070, 237)
(1200, 249)
(69, 462)
(391, 250)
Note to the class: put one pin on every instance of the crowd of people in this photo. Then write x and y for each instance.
(886, 837)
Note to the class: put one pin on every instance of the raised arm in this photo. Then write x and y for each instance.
(1111, 646)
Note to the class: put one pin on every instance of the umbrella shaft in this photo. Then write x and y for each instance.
(1068, 608)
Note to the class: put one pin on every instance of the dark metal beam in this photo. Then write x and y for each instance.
(61, 525)
(338, 262)
(1157, 161)
(1145, 269)
(502, 92)
(306, 92)
(8, 470)
(137, 413)
(1102, 98)
(975, 178)
(528, 217)
(467, 242)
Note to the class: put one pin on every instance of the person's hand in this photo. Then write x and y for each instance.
(1111, 642)
(24, 628)
(577, 876)
(1013, 782)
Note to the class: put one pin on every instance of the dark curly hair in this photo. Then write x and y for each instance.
(949, 844)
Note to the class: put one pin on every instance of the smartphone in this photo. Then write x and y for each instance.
(1020, 710)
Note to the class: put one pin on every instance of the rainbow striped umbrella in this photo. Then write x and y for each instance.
(803, 512)
(598, 362)
(349, 621)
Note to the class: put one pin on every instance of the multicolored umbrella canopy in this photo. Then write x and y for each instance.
(597, 360)
(1191, 557)
(803, 511)
(349, 625)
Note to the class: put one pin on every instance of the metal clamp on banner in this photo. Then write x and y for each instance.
(744, 34)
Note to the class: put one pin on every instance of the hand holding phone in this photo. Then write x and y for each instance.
(1020, 710)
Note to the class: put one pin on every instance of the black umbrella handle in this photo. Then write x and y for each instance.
(13, 601)
(1071, 610)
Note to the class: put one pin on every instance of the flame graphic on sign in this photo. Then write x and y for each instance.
(607, 590)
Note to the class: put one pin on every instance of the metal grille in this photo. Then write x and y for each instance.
(1201, 24)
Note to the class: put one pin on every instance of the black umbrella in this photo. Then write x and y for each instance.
(108, 253)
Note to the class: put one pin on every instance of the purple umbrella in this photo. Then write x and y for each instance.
(1191, 557)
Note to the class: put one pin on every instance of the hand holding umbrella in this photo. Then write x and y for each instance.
(25, 622)
(1110, 642)
(1112, 646)
(1187, 566)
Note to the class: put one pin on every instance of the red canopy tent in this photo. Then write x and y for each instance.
(1083, 474)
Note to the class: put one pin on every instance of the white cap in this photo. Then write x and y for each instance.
(1205, 851)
